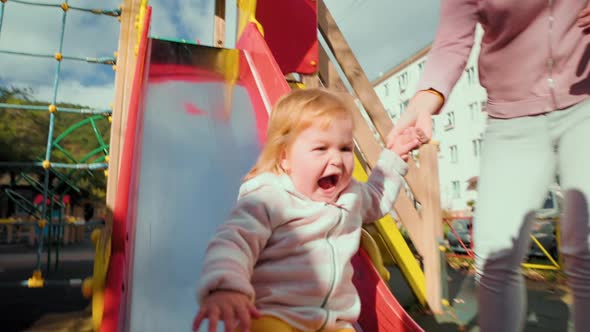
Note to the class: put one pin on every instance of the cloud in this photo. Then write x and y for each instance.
(72, 91)
(37, 29)
(183, 19)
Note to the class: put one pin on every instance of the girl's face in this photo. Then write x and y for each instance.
(320, 161)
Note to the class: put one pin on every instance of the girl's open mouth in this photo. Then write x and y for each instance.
(328, 182)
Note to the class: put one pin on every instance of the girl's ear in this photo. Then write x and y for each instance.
(284, 162)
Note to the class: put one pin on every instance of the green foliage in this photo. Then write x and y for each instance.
(24, 134)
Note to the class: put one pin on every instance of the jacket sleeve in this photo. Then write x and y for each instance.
(381, 190)
(231, 255)
(452, 46)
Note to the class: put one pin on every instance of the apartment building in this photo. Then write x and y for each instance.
(458, 128)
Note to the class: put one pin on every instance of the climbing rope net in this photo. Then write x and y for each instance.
(64, 174)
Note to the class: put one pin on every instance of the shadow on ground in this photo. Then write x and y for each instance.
(547, 308)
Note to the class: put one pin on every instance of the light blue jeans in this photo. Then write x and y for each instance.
(520, 158)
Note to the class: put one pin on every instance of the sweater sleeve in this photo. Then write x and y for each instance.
(452, 46)
(234, 250)
(381, 190)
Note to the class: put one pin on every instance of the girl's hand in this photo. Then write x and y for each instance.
(584, 18)
(418, 114)
(233, 308)
(410, 139)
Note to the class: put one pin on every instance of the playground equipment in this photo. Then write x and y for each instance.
(46, 222)
(190, 102)
(203, 111)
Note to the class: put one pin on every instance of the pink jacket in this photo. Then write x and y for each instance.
(291, 254)
(533, 58)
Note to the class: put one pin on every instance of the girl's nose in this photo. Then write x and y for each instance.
(336, 159)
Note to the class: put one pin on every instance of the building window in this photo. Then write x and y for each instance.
(450, 124)
(386, 87)
(402, 81)
(421, 66)
(476, 143)
(454, 154)
(393, 116)
(483, 105)
(456, 189)
(470, 75)
(403, 105)
(433, 127)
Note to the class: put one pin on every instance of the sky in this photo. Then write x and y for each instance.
(381, 33)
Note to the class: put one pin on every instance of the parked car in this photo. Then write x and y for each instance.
(462, 227)
(545, 232)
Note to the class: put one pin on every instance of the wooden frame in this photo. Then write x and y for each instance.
(126, 59)
(219, 24)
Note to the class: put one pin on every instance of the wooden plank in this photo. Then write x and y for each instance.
(353, 70)
(219, 28)
(126, 59)
(362, 132)
(432, 226)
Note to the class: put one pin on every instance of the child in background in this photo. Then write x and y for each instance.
(281, 262)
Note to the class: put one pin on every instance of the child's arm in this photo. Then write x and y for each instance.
(385, 182)
(381, 190)
(225, 292)
(231, 255)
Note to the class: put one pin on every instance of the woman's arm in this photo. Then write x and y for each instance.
(446, 61)
(452, 46)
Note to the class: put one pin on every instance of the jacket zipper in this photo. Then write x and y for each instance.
(333, 276)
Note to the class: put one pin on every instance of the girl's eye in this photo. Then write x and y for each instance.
(346, 149)
(320, 148)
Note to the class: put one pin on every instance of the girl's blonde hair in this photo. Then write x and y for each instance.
(293, 113)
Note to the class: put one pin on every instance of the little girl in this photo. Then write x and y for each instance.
(283, 255)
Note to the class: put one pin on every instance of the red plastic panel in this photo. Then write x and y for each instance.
(290, 30)
(268, 74)
(380, 311)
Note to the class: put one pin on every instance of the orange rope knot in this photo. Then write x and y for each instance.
(52, 108)
(58, 56)
(65, 7)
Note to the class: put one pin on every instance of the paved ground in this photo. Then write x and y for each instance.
(63, 308)
(547, 307)
(20, 306)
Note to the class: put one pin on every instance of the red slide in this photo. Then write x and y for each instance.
(380, 311)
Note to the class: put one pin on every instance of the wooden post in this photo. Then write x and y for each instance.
(219, 29)
(425, 228)
(126, 59)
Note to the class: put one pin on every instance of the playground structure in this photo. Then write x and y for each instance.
(188, 120)
(262, 67)
(201, 100)
(45, 216)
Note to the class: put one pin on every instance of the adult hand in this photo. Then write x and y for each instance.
(233, 308)
(584, 17)
(418, 114)
(411, 138)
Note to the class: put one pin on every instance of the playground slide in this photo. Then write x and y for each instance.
(201, 121)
